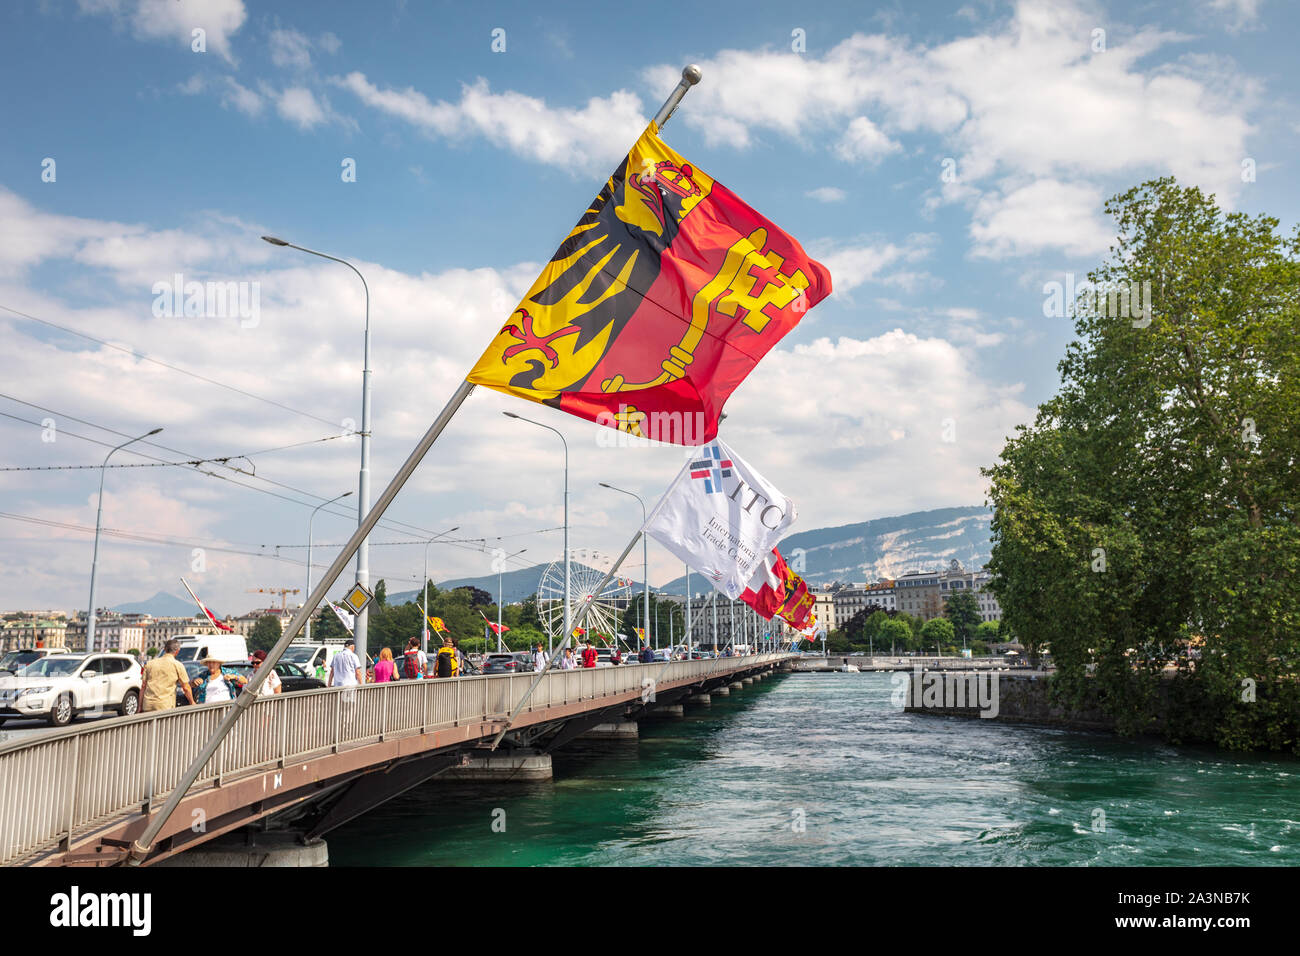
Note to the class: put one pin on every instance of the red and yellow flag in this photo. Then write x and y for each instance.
(660, 301)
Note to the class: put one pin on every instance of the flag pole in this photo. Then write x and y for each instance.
(141, 847)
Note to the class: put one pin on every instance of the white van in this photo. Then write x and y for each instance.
(229, 648)
(311, 656)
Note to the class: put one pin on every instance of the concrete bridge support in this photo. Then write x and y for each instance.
(720, 691)
(619, 730)
(254, 848)
(702, 699)
(502, 767)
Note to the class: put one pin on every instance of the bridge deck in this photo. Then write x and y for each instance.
(79, 796)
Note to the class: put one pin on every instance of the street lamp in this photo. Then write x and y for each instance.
(568, 611)
(363, 500)
(307, 625)
(94, 561)
(645, 557)
(501, 569)
(424, 589)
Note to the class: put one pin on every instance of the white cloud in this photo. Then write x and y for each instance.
(858, 263)
(1046, 214)
(827, 194)
(863, 140)
(169, 20)
(240, 98)
(298, 105)
(289, 48)
(588, 139)
(1241, 14)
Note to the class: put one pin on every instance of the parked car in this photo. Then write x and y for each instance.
(60, 686)
(291, 676)
(514, 663)
(15, 661)
(228, 648)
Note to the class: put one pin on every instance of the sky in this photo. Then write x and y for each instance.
(945, 161)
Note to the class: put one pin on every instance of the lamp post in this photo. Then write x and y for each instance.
(307, 626)
(501, 570)
(645, 556)
(424, 590)
(363, 500)
(94, 561)
(568, 610)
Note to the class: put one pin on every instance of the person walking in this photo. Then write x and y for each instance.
(414, 661)
(539, 658)
(162, 676)
(385, 669)
(446, 666)
(589, 656)
(219, 684)
(457, 659)
(345, 669)
(272, 679)
(568, 662)
(647, 655)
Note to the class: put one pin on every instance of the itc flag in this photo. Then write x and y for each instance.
(212, 618)
(721, 517)
(660, 301)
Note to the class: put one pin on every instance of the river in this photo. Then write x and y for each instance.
(821, 769)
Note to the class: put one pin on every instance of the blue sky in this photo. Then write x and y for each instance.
(837, 122)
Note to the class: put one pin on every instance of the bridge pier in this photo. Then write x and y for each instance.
(254, 848)
(620, 730)
(521, 766)
(702, 699)
(667, 710)
(747, 681)
(736, 685)
(720, 691)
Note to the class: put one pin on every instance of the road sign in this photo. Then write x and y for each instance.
(358, 598)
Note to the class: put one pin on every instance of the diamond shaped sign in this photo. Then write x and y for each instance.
(358, 598)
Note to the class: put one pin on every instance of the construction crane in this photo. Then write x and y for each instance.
(280, 591)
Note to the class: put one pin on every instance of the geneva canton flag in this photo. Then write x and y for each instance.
(660, 301)
(721, 517)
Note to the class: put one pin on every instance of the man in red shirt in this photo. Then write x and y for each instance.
(589, 656)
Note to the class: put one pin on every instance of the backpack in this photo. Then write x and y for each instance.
(411, 664)
(445, 666)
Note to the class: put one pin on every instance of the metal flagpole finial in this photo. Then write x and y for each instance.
(691, 75)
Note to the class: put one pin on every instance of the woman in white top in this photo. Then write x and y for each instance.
(217, 685)
(567, 662)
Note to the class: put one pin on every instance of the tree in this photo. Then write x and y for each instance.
(988, 632)
(1155, 501)
(938, 631)
(266, 633)
(896, 633)
(963, 610)
(381, 593)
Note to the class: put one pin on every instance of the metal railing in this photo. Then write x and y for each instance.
(68, 780)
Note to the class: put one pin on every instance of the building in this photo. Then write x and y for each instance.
(15, 635)
(113, 634)
(158, 631)
(925, 594)
(855, 598)
(245, 623)
(734, 622)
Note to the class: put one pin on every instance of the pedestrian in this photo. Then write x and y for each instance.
(161, 677)
(589, 656)
(219, 684)
(568, 662)
(615, 657)
(272, 679)
(385, 670)
(414, 660)
(446, 666)
(539, 658)
(647, 655)
(345, 669)
(457, 659)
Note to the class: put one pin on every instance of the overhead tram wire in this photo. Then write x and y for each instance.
(391, 523)
(167, 365)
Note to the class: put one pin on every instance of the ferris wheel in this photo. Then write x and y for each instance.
(605, 606)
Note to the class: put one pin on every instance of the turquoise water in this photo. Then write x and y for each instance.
(729, 784)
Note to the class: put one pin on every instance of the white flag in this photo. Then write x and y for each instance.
(721, 517)
(347, 619)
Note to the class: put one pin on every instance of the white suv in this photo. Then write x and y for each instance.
(60, 686)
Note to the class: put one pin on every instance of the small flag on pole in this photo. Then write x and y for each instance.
(497, 629)
(212, 618)
(437, 625)
(347, 620)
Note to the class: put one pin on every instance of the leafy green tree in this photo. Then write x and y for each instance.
(1154, 504)
(266, 632)
(963, 610)
(937, 632)
(988, 632)
(896, 633)
(381, 593)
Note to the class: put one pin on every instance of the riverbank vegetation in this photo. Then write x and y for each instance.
(1147, 524)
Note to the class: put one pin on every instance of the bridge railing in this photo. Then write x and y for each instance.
(64, 782)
